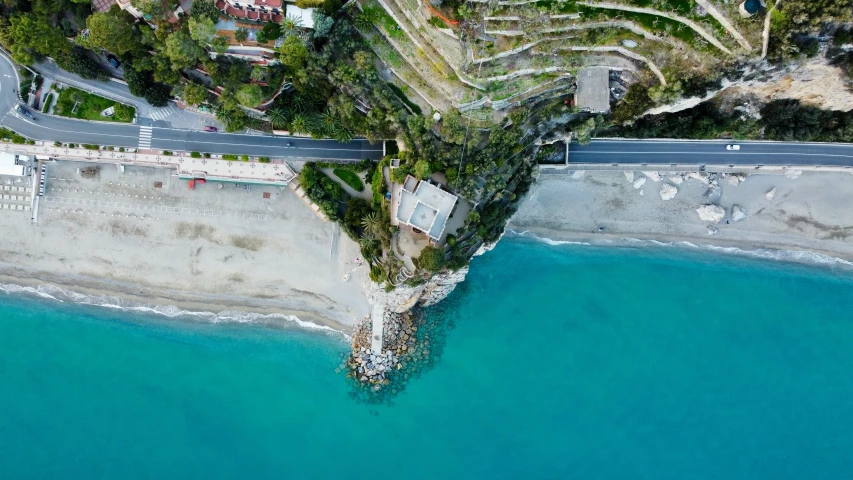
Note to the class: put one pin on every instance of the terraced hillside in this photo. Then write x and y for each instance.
(483, 57)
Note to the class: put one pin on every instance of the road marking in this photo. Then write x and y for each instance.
(162, 113)
(145, 137)
(732, 155)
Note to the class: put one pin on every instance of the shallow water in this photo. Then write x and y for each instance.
(563, 362)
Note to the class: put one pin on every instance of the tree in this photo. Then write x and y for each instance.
(309, 3)
(241, 34)
(322, 24)
(250, 95)
(113, 31)
(294, 53)
(422, 169)
(357, 209)
(431, 259)
(219, 44)
(157, 94)
(205, 9)
(298, 124)
(28, 34)
(202, 30)
(78, 62)
(583, 132)
(183, 51)
(277, 117)
(258, 73)
(194, 93)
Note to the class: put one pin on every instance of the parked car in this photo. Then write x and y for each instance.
(113, 61)
(732, 147)
(210, 129)
(23, 111)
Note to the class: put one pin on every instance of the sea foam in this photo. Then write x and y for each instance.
(53, 292)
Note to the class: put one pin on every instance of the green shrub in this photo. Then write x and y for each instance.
(229, 156)
(264, 159)
(72, 145)
(206, 155)
(57, 144)
(31, 142)
(120, 149)
(431, 259)
(244, 158)
(166, 152)
(91, 146)
(195, 154)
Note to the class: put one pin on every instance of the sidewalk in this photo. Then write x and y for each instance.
(213, 169)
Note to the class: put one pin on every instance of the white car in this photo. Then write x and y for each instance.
(732, 147)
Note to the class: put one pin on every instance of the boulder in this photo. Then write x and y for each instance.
(713, 230)
(639, 182)
(676, 179)
(770, 194)
(712, 194)
(701, 176)
(738, 213)
(629, 176)
(733, 180)
(667, 191)
(653, 176)
(711, 213)
(642, 192)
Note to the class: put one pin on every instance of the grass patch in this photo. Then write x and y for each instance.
(90, 106)
(350, 178)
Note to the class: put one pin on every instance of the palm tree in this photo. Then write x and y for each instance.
(277, 117)
(290, 24)
(342, 135)
(298, 124)
(372, 226)
(224, 116)
(363, 21)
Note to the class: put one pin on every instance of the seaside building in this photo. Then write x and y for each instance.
(256, 10)
(593, 92)
(10, 166)
(424, 207)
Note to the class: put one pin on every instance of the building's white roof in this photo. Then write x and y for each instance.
(13, 170)
(306, 14)
(7, 159)
(426, 207)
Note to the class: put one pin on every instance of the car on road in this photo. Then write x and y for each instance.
(210, 129)
(732, 147)
(23, 111)
(290, 145)
(113, 61)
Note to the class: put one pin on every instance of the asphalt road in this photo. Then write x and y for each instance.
(67, 130)
(676, 152)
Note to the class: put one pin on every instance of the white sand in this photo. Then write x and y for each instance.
(280, 258)
(809, 213)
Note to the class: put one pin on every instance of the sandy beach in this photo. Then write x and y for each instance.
(212, 249)
(809, 212)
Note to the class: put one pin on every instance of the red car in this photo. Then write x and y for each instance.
(209, 129)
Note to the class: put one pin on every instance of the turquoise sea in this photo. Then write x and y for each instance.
(561, 362)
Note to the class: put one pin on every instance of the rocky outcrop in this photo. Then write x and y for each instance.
(713, 193)
(677, 178)
(793, 173)
(770, 194)
(711, 213)
(667, 191)
(701, 176)
(639, 182)
(738, 213)
(735, 179)
(653, 176)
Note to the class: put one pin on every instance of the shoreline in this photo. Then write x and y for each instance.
(775, 252)
(101, 292)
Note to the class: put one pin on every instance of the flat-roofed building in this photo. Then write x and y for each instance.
(9, 165)
(425, 207)
(593, 94)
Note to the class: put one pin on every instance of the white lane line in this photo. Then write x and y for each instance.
(271, 146)
(735, 155)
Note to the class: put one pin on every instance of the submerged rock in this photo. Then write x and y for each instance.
(639, 183)
(711, 213)
(738, 213)
(713, 230)
(712, 194)
(667, 191)
(770, 194)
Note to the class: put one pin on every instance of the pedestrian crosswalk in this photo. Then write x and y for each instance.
(145, 137)
(162, 113)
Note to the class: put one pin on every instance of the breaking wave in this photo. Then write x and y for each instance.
(52, 292)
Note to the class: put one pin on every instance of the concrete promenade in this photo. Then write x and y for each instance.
(214, 169)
